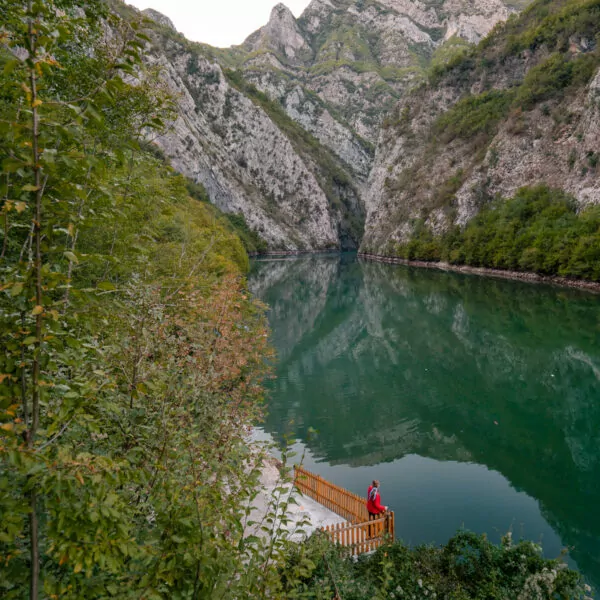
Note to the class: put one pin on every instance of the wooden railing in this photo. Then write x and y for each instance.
(360, 538)
(359, 534)
(347, 505)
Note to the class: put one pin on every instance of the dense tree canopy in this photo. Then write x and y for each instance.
(132, 354)
(539, 230)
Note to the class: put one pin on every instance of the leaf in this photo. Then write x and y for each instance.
(71, 257)
(20, 206)
(7, 426)
(38, 310)
(37, 103)
(78, 568)
(9, 67)
(16, 289)
(10, 164)
(30, 188)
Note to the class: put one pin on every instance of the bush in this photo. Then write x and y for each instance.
(553, 76)
(539, 230)
(468, 567)
(474, 114)
(252, 242)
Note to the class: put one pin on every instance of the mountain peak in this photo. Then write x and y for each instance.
(281, 34)
(281, 10)
(159, 18)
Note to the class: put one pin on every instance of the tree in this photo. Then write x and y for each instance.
(132, 354)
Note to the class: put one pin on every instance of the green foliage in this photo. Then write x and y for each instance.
(553, 76)
(474, 115)
(253, 243)
(468, 567)
(550, 24)
(539, 230)
(480, 115)
(450, 52)
(197, 191)
(132, 354)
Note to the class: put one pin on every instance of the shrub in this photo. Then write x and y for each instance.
(539, 230)
(469, 566)
(553, 76)
(474, 114)
(252, 242)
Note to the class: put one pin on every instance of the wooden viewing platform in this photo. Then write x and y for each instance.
(360, 534)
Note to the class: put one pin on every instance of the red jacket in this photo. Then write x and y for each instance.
(374, 506)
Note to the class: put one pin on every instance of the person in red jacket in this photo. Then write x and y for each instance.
(374, 505)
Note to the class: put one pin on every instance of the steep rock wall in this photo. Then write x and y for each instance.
(426, 169)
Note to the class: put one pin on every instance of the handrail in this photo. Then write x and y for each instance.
(361, 538)
(346, 504)
(361, 533)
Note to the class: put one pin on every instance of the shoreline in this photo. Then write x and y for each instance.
(303, 515)
(292, 253)
(579, 284)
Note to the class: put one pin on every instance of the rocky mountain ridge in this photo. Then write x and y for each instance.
(343, 64)
(522, 109)
(335, 72)
(316, 123)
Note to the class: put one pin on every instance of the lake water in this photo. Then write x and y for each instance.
(475, 401)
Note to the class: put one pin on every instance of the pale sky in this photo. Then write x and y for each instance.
(220, 23)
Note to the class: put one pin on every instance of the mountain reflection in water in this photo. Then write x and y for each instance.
(476, 401)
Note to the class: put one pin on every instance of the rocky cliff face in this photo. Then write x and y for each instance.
(246, 164)
(250, 157)
(510, 114)
(284, 128)
(299, 175)
(342, 66)
(159, 18)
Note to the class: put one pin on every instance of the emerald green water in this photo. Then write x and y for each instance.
(475, 401)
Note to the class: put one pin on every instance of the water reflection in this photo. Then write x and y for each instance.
(387, 362)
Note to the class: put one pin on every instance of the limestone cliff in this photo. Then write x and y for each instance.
(342, 66)
(251, 158)
(283, 128)
(521, 109)
(159, 18)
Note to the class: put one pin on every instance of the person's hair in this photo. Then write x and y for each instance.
(375, 483)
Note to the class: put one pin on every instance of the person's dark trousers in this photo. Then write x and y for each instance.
(372, 517)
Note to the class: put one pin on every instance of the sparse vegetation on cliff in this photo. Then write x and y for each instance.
(497, 113)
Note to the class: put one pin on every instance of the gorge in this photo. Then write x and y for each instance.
(146, 184)
(363, 123)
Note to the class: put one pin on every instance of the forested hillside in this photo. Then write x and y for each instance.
(132, 354)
